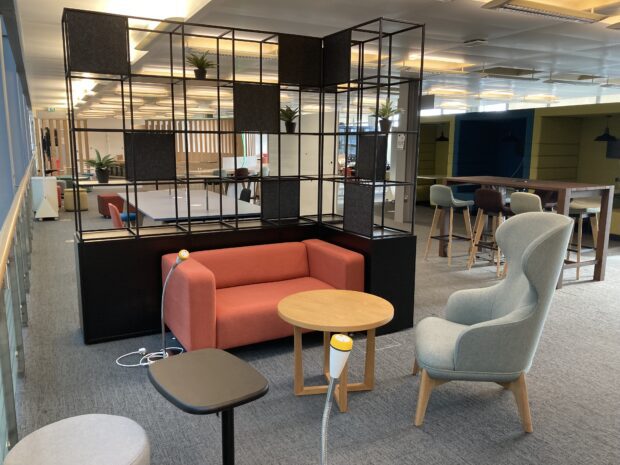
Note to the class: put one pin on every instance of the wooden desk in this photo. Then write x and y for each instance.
(161, 205)
(335, 311)
(566, 191)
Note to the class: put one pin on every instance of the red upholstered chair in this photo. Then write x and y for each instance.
(104, 199)
(228, 297)
(116, 216)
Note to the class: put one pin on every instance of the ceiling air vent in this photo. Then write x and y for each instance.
(572, 78)
(543, 9)
(502, 72)
(475, 42)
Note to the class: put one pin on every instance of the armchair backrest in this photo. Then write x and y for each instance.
(535, 246)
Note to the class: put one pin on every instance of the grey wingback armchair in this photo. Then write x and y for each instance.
(491, 334)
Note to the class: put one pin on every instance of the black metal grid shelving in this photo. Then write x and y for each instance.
(353, 71)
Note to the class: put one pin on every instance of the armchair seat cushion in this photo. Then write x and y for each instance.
(245, 314)
(435, 343)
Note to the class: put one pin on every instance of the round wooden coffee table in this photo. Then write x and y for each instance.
(335, 311)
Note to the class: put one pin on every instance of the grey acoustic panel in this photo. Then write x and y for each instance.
(150, 156)
(337, 58)
(257, 107)
(371, 151)
(427, 102)
(358, 206)
(279, 192)
(299, 60)
(97, 43)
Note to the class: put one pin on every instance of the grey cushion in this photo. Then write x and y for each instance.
(588, 205)
(435, 342)
(441, 196)
(84, 440)
(458, 203)
(493, 332)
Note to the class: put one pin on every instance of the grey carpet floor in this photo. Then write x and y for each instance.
(573, 384)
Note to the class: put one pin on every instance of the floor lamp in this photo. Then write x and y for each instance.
(339, 349)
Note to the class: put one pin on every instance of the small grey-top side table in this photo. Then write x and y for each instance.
(209, 381)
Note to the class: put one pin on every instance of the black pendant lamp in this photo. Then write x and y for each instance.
(606, 137)
(442, 138)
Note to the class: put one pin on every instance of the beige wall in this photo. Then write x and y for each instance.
(594, 166)
(557, 149)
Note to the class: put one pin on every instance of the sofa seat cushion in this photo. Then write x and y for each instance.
(249, 314)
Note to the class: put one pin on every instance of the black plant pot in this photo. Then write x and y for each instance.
(200, 73)
(103, 176)
(385, 125)
(290, 126)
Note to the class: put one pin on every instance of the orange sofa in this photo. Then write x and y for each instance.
(228, 297)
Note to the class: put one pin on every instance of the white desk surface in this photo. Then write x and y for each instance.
(160, 205)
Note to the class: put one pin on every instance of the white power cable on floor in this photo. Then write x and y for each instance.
(147, 358)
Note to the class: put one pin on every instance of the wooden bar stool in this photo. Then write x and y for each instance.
(548, 199)
(490, 204)
(524, 202)
(580, 210)
(443, 199)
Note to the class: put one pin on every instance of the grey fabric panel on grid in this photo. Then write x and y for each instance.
(523, 202)
(499, 327)
(442, 196)
(87, 439)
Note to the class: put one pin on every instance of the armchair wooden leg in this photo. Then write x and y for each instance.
(427, 384)
(416, 367)
(430, 234)
(519, 389)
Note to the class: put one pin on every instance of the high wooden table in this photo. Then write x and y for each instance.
(335, 311)
(566, 191)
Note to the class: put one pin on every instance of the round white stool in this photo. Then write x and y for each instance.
(84, 440)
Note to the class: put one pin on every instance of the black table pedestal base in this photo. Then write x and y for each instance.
(228, 437)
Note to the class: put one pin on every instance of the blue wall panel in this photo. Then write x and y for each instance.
(494, 144)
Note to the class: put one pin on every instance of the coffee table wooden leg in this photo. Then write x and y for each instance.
(341, 391)
(369, 365)
(326, 339)
(299, 367)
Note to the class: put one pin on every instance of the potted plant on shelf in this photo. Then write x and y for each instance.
(386, 111)
(201, 63)
(102, 167)
(289, 115)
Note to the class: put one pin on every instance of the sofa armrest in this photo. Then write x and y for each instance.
(190, 303)
(334, 265)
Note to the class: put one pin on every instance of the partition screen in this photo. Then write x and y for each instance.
(267, 130)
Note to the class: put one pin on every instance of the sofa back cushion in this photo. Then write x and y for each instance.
(240, 266)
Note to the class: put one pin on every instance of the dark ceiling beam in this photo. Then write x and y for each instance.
(8, 10)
